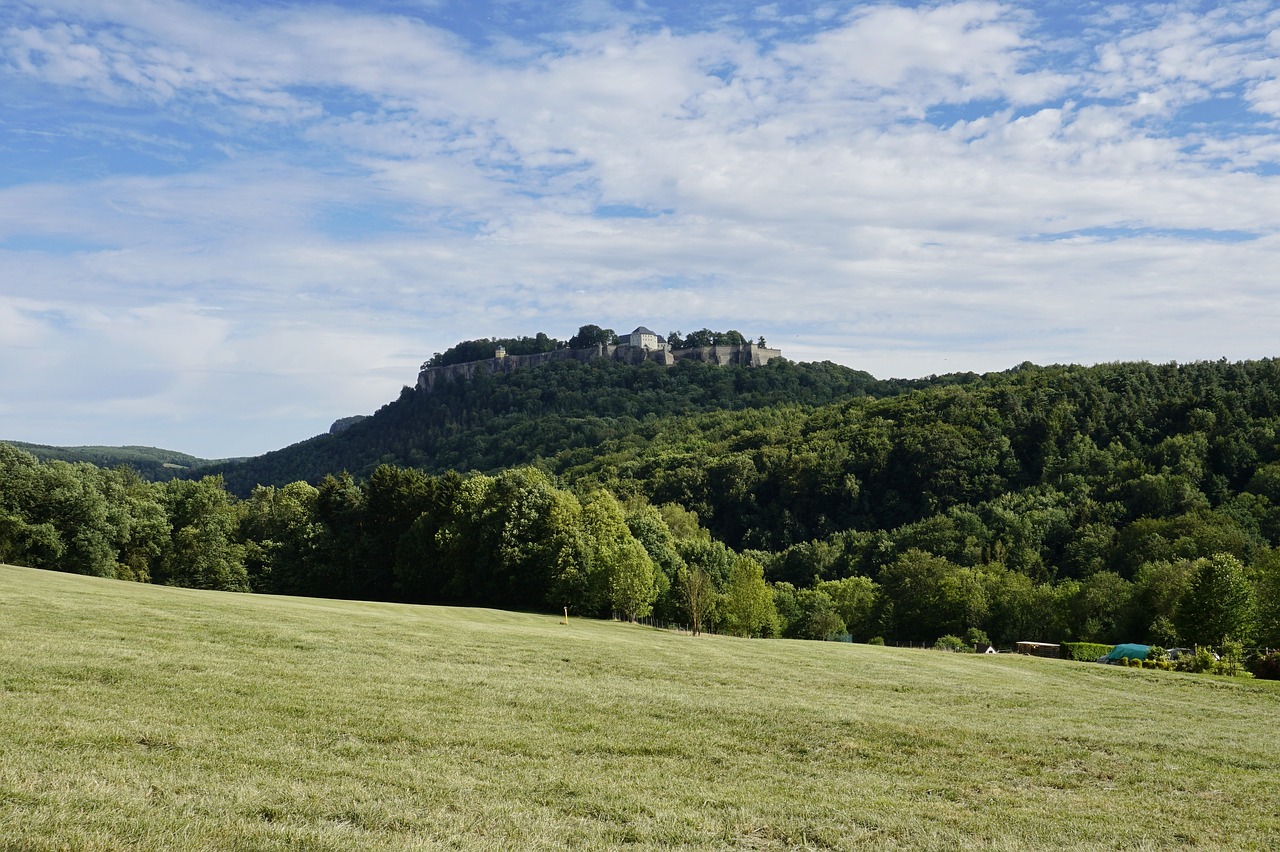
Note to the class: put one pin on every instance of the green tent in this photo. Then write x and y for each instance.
(1132, 652)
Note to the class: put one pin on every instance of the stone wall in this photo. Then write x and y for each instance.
(749, 355)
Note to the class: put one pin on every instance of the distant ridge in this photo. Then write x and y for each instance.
(151, 463)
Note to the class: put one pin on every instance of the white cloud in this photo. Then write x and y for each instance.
(390, 187)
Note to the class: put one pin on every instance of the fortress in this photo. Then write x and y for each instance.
(635, 348)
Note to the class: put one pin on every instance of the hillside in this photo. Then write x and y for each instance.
(1123, 502)
(151, 463)
(162, 718)
(493, 422)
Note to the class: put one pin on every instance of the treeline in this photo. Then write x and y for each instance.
(587, 337)
(707, 337)
(478, 350)
(490, 423)
(150, 462)
(83, 519)
(1083, 499)
(1125, 502)
(514, 540)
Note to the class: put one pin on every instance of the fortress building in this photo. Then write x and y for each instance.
(643, 338)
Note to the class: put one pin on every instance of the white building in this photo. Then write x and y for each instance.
(643, 338)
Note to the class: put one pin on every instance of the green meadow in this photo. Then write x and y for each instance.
(145, 717)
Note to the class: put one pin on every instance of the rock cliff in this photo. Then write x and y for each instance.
(749, 355)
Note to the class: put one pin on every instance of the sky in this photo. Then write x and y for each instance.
(224, 225)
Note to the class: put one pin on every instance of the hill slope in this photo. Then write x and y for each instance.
(491, 422)
(169, 718)
(151, 463)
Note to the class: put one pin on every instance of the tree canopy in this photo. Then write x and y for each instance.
(1121, 502)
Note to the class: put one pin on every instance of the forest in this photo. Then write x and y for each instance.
(493, 422)
(1122, 502)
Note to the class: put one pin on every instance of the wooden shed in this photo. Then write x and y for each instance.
(1039, 649)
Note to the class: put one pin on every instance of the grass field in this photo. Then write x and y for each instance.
(142, 717)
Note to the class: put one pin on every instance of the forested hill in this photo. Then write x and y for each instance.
(1113, 503)
(492, 422)
(1059, 471)
(152, 463)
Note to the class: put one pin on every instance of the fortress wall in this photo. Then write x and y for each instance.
(745, 356)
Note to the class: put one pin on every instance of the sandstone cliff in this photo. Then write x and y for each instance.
(749, 355)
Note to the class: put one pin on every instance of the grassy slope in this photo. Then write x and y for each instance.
(145, 717)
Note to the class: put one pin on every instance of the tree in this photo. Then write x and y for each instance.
(394, 497)
(33, 545)
(698, 593)
(338, 568)
(706, 573)
(648, 527)
(746, 607)
(202, 552)
(928, 596)
(786, 606)
(817, 617)
(70, 499)
(440, 556)
(633, 582)
(616, 571)
(593, 335)
(1099, 608)
(1158, 589)
(1219, 606)
(137, 518)
(1267, 580)
(857, 601)
(54, 515)
(529, 538)
(279, 532)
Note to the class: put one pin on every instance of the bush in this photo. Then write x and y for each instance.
(1084, 652)
(876, 640)
(952, 643)
(1231, 663)
(1230, 668)
(1200, 662)
(1268, 667)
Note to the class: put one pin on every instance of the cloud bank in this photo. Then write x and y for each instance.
(224, 225)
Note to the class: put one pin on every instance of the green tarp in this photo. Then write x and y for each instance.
(1133, 652)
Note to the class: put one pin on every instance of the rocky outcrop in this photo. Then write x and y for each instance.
(743, 356)
(749, 355)
(345, 423)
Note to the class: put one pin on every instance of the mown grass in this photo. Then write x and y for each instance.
(142, 717)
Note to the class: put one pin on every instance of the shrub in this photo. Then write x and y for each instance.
(952, 643)
(1084, 652)
(1198, 663)
(1230, 668)
(1231, 663)
(1268, 667)
(876, 640)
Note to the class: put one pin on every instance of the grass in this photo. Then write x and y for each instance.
(142, 717)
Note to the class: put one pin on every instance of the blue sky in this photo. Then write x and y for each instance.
(224, 225)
